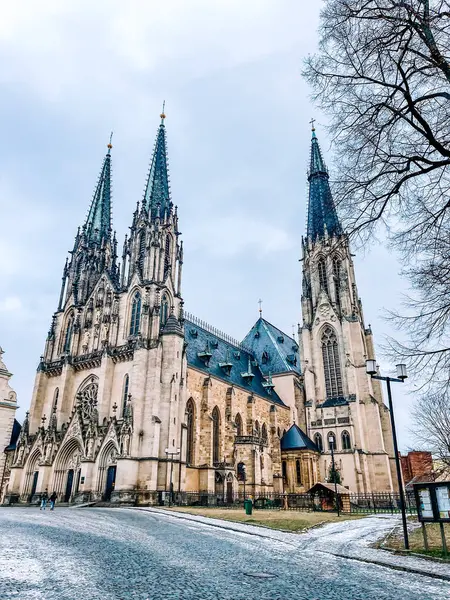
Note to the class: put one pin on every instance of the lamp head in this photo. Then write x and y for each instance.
(401, 371)
(371, 367)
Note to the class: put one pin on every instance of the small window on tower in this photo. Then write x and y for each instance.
(322, 275)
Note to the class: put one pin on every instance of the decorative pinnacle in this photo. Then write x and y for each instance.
(162, 115)
(260, 307)
(312, 124)
(110, 141)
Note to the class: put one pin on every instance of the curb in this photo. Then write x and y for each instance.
(381, 563)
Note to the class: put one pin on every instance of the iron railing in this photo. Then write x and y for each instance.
(353, 503)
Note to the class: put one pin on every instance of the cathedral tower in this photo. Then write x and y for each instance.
(342, 402)
(109, 395)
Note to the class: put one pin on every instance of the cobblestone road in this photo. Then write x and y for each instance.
(121, 554)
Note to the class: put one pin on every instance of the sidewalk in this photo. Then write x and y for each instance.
(351, 540)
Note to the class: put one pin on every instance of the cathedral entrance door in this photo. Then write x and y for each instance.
(110, 481)
(69, 485)
(229, 492)
(34, 485)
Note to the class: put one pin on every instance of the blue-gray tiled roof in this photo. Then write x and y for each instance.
(234, 359)
(275, 351)
(14, 435)
(296, 439)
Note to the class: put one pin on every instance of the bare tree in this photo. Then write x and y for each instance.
(382, 74)
(431, 421)
(426, 319)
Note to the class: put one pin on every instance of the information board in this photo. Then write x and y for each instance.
(433, 501)
(443, 501)
(425, 507)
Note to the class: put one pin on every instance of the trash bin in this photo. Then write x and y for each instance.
(248, 507)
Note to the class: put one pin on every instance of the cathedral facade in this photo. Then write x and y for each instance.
(134, 397)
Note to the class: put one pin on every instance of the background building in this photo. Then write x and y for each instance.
(9, 427)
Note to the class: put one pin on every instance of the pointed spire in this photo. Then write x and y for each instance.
(157, 196)
(322, 215)
(98, 222)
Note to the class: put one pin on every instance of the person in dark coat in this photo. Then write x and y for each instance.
(53, 500)
(44, 499)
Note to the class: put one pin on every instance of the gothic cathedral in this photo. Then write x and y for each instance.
(134, 397)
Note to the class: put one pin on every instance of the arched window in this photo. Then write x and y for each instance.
(164, 310)
(256, 428)
(321, 267)
(284, 471)
(318, 441)
(68, 336)
(298, 472)
(336, 275)
(331, 364)
(126, 385)
(190, 432)
(346, 443)
(167, 255)
(264, 433)
(238, 422)
(216, 435)
(331, 438)
(135, 314)
(142, 252)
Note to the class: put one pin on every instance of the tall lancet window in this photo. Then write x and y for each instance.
(190, 431)
(216, 435)
(142, 252)
(336, 276)
(135, 314)
(167, 255)
(331, 363)
(126, 385)
(322, 275)
(68, 335)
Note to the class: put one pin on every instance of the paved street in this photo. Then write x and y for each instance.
(114, 554)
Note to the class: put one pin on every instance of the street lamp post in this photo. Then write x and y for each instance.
(371, 369)
(171, 453)
(331, 439)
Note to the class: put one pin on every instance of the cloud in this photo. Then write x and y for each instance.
(11, 304)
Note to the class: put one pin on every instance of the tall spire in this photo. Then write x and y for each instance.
(322, 215)
(98, 222)
(157, 186)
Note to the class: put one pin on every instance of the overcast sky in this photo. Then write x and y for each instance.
(238, 136)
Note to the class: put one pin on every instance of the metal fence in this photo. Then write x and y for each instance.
(353, 503)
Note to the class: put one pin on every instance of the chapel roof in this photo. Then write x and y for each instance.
(220, 356)
(296, 439)
(275, 351)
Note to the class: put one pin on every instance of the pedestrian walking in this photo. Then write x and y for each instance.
(44, 499)
(52, 500)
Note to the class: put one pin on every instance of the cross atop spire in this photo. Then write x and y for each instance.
(98, 222)
(322, 215)
(157, 195)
